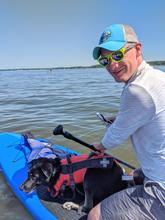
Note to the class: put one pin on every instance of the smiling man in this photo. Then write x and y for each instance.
(119, 51)
(141, 116)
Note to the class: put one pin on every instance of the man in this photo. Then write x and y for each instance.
(142, 117)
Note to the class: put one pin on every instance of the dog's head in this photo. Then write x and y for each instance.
(40, 173)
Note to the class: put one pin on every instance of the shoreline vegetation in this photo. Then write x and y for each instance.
(153, 63)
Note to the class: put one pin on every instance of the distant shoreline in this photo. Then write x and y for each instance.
(75, 67)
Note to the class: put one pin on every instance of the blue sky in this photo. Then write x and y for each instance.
(60, 33)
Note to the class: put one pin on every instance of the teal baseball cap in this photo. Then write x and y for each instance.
(114, 38)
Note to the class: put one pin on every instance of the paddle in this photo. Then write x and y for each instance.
(59, 131)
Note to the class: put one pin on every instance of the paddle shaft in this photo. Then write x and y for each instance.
(71, 137)
(90, 146)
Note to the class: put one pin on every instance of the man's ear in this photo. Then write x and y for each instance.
(138, 49)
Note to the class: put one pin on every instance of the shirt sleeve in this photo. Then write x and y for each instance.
(136, 109)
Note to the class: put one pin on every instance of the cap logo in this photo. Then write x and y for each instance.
(105, 36)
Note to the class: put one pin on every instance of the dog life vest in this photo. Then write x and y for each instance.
(74, 169)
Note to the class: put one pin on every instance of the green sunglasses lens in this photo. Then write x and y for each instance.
(117, 55)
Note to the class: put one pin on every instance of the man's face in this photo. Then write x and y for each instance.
(122, 71)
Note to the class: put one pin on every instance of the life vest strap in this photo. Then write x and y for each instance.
(104, 163)
(72, 182)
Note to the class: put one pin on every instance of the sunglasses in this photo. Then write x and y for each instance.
(116, 56)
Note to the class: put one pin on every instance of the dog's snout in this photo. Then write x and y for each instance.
(23, 187)
(26, 187)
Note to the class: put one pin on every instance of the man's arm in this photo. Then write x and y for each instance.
(136, 109)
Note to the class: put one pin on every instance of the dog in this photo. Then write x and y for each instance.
(98, 183)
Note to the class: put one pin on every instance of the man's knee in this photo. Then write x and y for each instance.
(95, 213)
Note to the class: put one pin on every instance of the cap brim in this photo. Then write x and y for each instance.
(112, 46)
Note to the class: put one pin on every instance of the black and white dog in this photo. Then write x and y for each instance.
(98, 183)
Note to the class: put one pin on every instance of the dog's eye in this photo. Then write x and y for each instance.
(32, 176)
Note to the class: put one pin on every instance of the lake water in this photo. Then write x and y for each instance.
(40, 100)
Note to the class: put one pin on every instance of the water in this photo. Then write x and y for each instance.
(40, 100)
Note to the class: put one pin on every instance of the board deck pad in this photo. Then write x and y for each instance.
(55, 205)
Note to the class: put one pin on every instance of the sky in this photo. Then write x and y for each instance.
(63, 33)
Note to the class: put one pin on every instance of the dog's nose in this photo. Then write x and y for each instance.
(23, 187)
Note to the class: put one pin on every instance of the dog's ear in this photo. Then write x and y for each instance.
(47, 170)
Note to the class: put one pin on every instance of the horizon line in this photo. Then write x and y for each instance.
(160, 62)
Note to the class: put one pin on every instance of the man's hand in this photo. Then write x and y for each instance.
(106, 120)
(110, 120)
(100, 147)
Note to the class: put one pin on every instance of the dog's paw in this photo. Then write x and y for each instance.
(70, 206)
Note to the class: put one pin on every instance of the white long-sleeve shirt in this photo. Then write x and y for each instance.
(142, 116)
